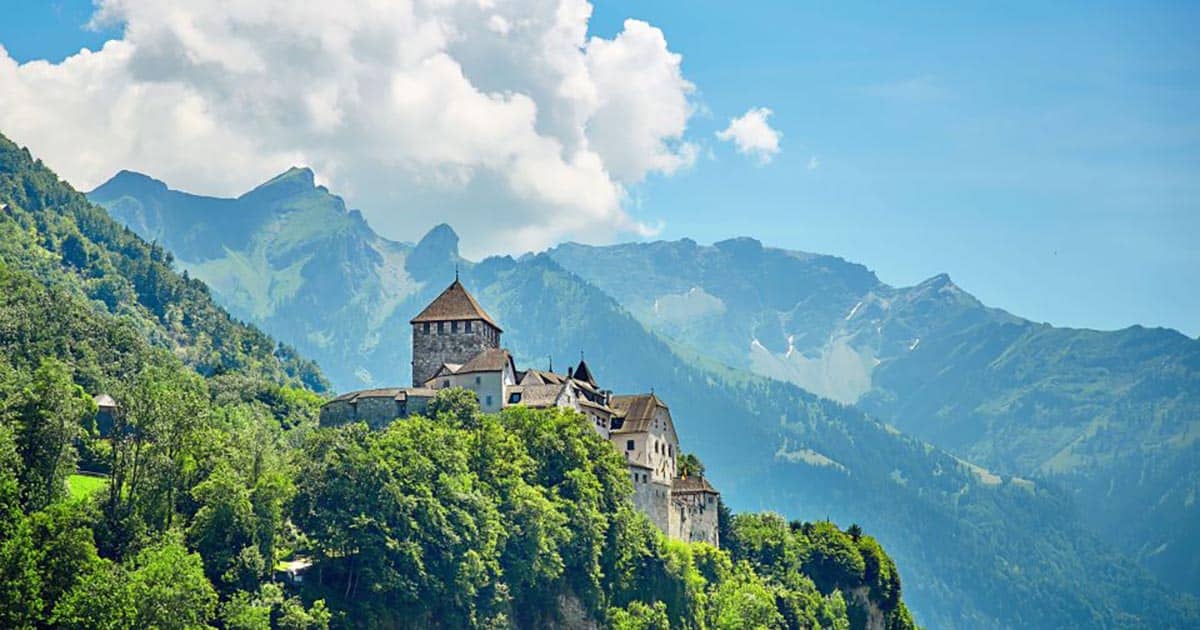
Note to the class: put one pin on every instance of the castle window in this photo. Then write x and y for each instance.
(489, 400)
(441, 327)
(425, 327)
(468, 325)
(629, 445)
(454, 327)
(446, 383)
(476, 380)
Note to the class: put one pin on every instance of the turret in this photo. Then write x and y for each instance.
(451, 330)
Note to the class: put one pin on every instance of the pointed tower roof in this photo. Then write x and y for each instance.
(454, 304)
(583, 373)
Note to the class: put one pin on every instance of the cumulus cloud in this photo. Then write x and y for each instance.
(502, 117)
(752, 136)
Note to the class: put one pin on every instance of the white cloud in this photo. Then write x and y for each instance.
(752, 136)
(813, 163)
(501, 117)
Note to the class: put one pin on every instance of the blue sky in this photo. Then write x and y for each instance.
(1045, 155)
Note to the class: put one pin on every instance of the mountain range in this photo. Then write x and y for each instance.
(805, 384)
(1113, 417)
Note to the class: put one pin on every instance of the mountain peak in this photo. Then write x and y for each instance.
(296, 176)
(440, 235)
(294, 181)
(741, 248)
(938, 281)
(127, 182)
(434, 254)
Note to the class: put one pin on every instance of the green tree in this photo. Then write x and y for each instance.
(639, 616)
(744, 602)
(99, 600)
(163, 412)
(20, 582)
(62, 535)
(834, 560)
(255, 611)
(457, 406)
(169, 589)
(49, 418)
(688, 465)
(224, 529)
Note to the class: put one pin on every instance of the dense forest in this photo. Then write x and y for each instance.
(212, 498)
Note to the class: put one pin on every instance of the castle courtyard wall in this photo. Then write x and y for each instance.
(693, 518)
(652, 499)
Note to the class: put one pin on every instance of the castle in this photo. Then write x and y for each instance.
(456, 344)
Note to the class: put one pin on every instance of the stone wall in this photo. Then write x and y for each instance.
(693, 518)
(652, 499)
(376, 411)
(336, 413)
(452, 345)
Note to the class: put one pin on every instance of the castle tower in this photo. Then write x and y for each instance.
(452, 329)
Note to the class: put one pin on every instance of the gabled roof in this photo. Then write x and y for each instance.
(489, 360)
(395, 393)
(638, 410)
(691, 485)
(542, 377)
(539, 395)
(454, 304)
(583, 402)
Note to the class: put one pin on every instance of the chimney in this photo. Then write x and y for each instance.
(570, 372)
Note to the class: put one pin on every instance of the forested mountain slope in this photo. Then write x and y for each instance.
(289, 256)
(214, 470)
(976, 550)
(1112, 416)
(53, 233)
